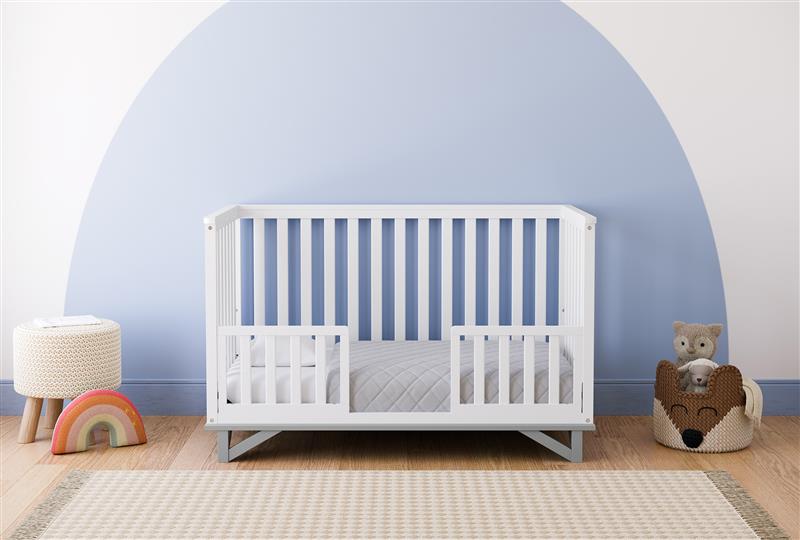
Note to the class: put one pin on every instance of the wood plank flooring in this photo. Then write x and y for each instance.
(769, 469)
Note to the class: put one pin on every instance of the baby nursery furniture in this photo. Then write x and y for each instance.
(61, 362)
(399, 317)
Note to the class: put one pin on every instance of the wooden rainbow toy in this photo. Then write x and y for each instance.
(96, 408)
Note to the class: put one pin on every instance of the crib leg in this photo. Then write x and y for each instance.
(227, 453)
(576, 445)
(573, 452)
(223, 446)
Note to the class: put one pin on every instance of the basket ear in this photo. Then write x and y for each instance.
(724, 379)
(667, 379)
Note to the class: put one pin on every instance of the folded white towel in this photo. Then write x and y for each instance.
(73, 320)
(753, 400)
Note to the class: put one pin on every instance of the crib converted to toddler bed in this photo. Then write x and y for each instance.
(399, 317)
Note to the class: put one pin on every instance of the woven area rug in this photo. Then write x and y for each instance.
(397, 504)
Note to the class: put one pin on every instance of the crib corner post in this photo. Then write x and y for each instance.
(223, 446)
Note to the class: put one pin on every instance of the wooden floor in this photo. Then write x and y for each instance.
(769, 469)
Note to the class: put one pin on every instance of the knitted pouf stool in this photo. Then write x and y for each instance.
(63, 362)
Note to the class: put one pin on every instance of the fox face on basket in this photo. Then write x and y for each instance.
(700, 422)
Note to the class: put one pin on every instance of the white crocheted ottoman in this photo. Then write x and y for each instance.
(63, 362)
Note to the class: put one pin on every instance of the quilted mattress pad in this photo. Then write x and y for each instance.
(411, 376)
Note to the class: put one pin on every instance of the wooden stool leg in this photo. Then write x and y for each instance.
(54, 408)
(30, 420)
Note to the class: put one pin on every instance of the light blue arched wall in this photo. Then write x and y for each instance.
(390, 103)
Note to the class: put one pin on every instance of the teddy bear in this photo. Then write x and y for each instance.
(698, 370)
(693, 341)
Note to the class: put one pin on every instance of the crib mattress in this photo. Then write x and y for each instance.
(410, 376)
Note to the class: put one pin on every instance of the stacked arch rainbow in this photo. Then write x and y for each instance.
(97, 408)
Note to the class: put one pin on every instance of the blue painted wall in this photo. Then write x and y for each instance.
(393, 103)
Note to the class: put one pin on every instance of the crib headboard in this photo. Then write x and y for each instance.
(402, 271)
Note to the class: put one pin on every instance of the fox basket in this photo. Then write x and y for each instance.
(711, 422)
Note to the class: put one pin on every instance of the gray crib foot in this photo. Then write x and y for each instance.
(223, 446)
(573, 452)
(226, 453)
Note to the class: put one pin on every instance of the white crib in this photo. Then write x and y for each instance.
(487, 267)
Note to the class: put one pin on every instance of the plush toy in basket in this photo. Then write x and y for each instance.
(699, 406)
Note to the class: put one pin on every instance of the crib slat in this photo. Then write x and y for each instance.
(294, 373)
(516, 271)
(233, 266)
(259, 280)
(229, 287)
(320, 370)
(423, 278)
(540, 271)
(270, 382)
(529, 370)
(237, 273)
(344, 375)
(573, 271)
(562, 280)
(329, 255)
(577, 368)
(573, 280)
(246, 373)
(283, 271)
(352, 278)
(568, 306)
(479, 347)
(305, 271)
(503, 379)
(221, 278)
(399, 279)
(447, 277)
(584, 317)
(224, 278)
(469, 272)
(494, 271)
(553, 387)
(222, 374)
(228, 296)
(218, 285)
(376, 289)
(577, 307)
(455, 373)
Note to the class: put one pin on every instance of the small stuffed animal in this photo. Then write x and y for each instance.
(693, 341)
(698, 372)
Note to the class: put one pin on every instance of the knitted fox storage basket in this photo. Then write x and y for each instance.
(711, 422)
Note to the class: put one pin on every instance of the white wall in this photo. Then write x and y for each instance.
(69, 74)
(726, 77)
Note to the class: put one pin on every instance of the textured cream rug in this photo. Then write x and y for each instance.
(397, 504)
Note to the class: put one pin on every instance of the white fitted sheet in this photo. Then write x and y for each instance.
(410, 376)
